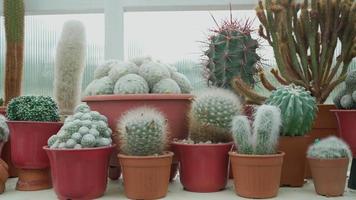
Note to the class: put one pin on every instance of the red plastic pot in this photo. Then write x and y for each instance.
(79, 173)
(203, 167)
(347, 127)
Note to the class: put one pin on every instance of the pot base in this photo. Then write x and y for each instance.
(34, 179)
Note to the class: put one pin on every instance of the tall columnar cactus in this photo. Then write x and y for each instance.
(69, 68)
(211, 115)
(329, 148)
(264, 138)
(14, 12)
(4, 129)
(304, 37)
(298, 109)
(346, 98)
(143, 132)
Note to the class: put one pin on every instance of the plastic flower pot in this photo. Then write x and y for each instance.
(79, 173)
(329, 175)
(146, 177)
(203, 167)
(256, 176)
(27, 140)
(175, 107)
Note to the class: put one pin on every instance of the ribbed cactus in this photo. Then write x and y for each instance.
(153, 72)
(4, 129)
(103, 86)
(182, 81)
(166, 86)
(346, 98)
(329, 148)
(14, 13)
(298, 109)
(143, 132)
(211, 115)
(264, 138)
(121, 69)
(69, 66)
(131, 84)
(103, 69)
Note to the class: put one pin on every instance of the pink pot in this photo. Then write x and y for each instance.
(347, 127)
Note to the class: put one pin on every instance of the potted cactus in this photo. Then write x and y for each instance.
(145, 164)
(4, 134)
(329, 161)
(32, 120)
(257, 165)
(204, 157)
(79, 155)
(298, 110)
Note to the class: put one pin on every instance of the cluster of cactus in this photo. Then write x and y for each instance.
(329, 148)
(346, 98)
(211, 115)
(33, 108)
(264, 137)
(83, 129)
(4, 129)
(143, 132)
(298, 109)
(138, 76)
(232, 53)
(69, 66)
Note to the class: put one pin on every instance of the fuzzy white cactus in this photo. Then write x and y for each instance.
(4, 129)
(182, 81)
(103, 69)
(121, 69)
(329, 148)
(153, 72)
(140, 60)
(103, 86)
(131, 84)
(166, 86)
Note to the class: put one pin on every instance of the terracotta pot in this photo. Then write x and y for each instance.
(329, 176)
(4, 174)
(293, 168)
(27, 140)
(79, 173)
(256, 176)
(146, 177)
(174, 106)
(203, 167)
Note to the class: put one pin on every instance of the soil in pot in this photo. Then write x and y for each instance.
(146, 177)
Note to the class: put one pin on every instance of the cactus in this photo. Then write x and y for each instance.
(84, 129)
(121, 69)
(166, 86)
(140, 60)
(211, 115)
(298, 109)
(131, 84)
(264, 138)
(329, 148)
(346, 98)
(4, 129)
(14, 13)
(182, 81)
(103, 86)
(33, 108)
(143, 132)
(153, 72)
(103, 69)
(69, 67)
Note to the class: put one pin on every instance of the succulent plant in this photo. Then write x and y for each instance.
(346, 98)
(103, 86)
(166, 86)
(264, 138)
(329, 148)
(4, 129)
(140, 60)
(298, 109)
(182, 81)
(121, 69)
(143, 132)
(211, 115)
(103, 69)
(131, 84)
(153, 72)
(84, 129)
(32, 108)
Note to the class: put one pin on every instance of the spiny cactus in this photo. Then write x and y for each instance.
(140, 60)
(4, 129)
(264, 138)
(103, 86)
(211, 115)
(346, 98)
(329, 148)
(298, 109)
(166, 86)
(143, 132)
(131, 84)
(103, 69)
(84, 129)
(121, 69)
(182, 81)
(153, 72)
(33, 108)
(69, 67)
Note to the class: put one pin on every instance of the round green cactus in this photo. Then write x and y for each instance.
(298, 109)
(153, 72)
(329, 148)
(131, 84)
(350, 81)
(166, 86)
(121, 69)
(143, 132)
(182, 81)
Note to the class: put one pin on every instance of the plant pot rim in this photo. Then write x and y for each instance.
(202, 144)
(324, 159)
(278, 154)
(343, 110)
(164, 155)
(32, 122)
(137, 97)
(46, 148)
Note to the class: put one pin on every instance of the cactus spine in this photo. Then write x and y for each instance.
(329, 148)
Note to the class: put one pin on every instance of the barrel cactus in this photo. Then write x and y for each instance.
(166, 86)
(346, 98)
(103, 69)
(298, 109)
(143, 132)
(131, 84)
(329, 148)
(264, 138)
(4, 129)
(211, 115)
(121, 69)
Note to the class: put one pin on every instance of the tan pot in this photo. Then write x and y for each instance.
(293, 169)
(329, 176)
(146, 177)
(256, 176)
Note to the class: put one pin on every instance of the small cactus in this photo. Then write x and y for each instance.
(166, 86)
(143, 132)
(329, 148)
(241, 131)
(346, 98)
(153, 72)
(182, 81)
(104, 86)
(131, 84)
(103, 69)
(1, 102)
(4, 129)
(121, 69)
(140, 60)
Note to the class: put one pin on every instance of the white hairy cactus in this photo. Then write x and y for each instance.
(166, 86)
(329, 148)
(131, 84)
(4, 129)
(103, 86)
(140, 60)
(121, 69)
(103, 69)
(182, 81)
(153, 72)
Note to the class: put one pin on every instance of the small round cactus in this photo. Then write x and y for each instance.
(346, 98)
(166, 86)
(182, 81)
(140, 60)
(121, 69)
(103, 69)
(104, 86)
(153, 72)
(329, 148)
(131, 84)
(143, 132)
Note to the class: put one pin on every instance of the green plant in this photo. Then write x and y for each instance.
(4, 129)
(84, 129)
(304, 37)
(329, 148)
(33, 108)
(1, 102)
(298, 109)
(346, 98)
(211, 115)
(143, 132)
(264, 138)
(166, 86)
(131, 84)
